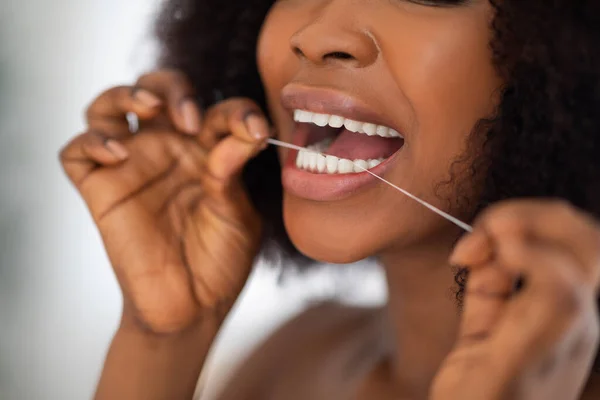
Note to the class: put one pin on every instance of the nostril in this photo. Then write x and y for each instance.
(333, 55)
(297, 51)
(340, 55)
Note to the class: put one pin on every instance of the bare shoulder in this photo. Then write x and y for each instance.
(324, 333)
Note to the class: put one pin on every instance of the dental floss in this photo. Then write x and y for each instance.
(436, 210)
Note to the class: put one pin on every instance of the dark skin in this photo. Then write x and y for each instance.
(182, 235)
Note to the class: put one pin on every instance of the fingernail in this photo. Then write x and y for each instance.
(191, 117)
(146, 98)
(117, 149)
(257, 126)
(472, 250)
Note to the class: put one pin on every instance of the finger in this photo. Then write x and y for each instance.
(552, 221)
(88, 151)
(239, 117)
(162, 165)
(552, 299)
(226, 161)
(546, 329)
(487, 291)
(178, 93)
(473, 249)
(108, 112)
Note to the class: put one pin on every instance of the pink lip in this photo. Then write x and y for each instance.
(325, 187)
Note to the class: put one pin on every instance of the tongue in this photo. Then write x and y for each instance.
(358, 146)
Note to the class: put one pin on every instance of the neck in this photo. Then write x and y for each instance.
(422, 311)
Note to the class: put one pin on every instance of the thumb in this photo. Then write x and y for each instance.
(474, 249)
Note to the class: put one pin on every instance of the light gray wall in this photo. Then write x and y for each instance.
(59, 302)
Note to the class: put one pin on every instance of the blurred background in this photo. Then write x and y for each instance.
(59, 301)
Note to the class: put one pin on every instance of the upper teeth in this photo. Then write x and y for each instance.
(351, 125)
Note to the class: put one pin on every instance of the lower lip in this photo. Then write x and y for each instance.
(326, 187)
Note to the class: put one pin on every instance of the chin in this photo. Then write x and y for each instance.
(326, 234)
(326, 252)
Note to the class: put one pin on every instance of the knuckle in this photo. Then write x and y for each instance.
(249, 104)
(241, 103)
(66, 148)
(212, 111)
(244, 101)
(62, 153)
(112, 93)
(172, 73)
(561, 209)
(234, 106)
(145, 77)
(504, 219)
(91, 108)
(167, 76)
(221, 105)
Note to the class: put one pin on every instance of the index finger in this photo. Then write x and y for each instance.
(239, 117)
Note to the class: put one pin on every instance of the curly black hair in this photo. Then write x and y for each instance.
(543, 140)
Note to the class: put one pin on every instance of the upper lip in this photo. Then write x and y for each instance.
(332, 102)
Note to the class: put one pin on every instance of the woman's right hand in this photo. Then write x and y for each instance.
(177, 225)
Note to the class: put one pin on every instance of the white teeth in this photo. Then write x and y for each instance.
(317, 163)
(394, 133)
(306, 160)
(312, 164)
(352, 126)
(336, 121)
(374, 163)
(320, 119)
(360, 165)
(370, 129)
(332, 164)
(382, 131)
(302, 116)
(321, 163)
(345, 166)
(299, 159)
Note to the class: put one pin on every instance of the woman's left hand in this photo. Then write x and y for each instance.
(540, 341)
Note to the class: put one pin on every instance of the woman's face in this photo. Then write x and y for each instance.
(421, 69)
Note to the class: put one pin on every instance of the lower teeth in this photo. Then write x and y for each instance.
(318, 163)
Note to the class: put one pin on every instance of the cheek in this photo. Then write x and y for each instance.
(450, 81)
(454, 83)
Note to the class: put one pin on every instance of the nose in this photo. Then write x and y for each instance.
(335, 37)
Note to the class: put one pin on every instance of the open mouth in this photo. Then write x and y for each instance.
(350, 146)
